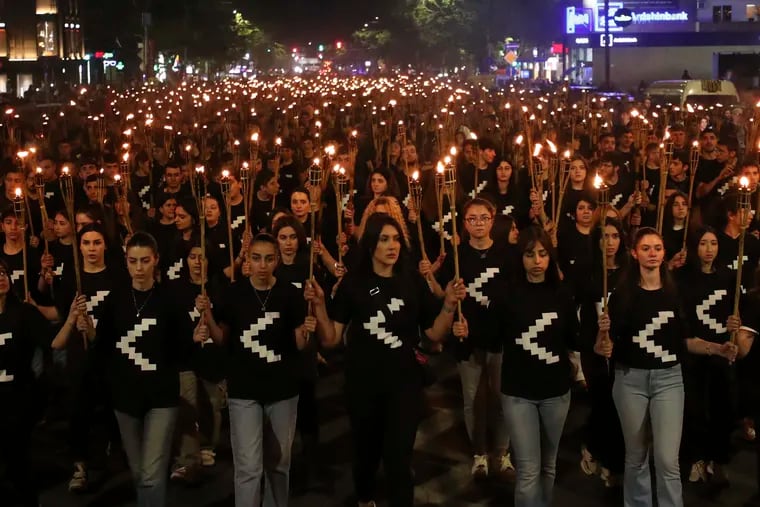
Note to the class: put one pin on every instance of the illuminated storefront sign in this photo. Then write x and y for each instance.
(585, 20)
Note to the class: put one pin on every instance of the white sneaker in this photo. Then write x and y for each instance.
(505, 464)
(480, 465)
(698, 472)
(588, 463)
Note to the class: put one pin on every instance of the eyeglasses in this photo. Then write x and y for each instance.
(478, 220)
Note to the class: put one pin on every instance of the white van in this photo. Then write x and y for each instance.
(706, 92)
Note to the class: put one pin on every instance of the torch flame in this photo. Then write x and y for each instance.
(537, 150)
(39, 170)
(225, 174)
(18, 193)
(255, 137)
(598, 182)
(439, 168)
(744, 182)
(566, 154)
(117, 178)
(453, 151)
(65, 170)
(519, 140)
(316, 161)
(552, 146)
(200, 169)
(416, 175)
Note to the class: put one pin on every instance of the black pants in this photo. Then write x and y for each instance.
(308, 415)
(90, 406)
(709, 410)
(603, 435)
(384, 426)
(15, 437)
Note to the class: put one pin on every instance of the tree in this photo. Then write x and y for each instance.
(440, 22)
(373, 39)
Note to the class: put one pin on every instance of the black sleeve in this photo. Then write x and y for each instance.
(446, 273)
(572, 326)
(430, 306)
(36, 327)
(341, 308)
(589, 326)
(104, 332)
(749, 309)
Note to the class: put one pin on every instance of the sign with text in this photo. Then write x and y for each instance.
(620, 15)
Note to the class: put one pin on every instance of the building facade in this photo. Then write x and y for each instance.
(41, 42)
(663, 39)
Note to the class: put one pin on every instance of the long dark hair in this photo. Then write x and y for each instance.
(631, 279)
(668, 221)
(11, 299)
(527, 240)
(621, 256)
(290, 221)
(694, 262)
(370, 238)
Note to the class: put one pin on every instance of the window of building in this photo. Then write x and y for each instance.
(47, 41)
(47, 7)
(752, 13)
(3, 43)
(722, 13)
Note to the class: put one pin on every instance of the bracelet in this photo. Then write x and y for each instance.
(448, 309)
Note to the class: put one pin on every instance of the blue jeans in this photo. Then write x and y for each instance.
(535, 427)
(147, 442)
(656, 398)
(252, 427)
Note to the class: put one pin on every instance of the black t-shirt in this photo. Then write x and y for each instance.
(264, 361)
(648, 329)
(140, 349)
(707, 302)
(289, 178)
(538, 330)
(485, 275)
(385, 317)
(728, 256)
(96, 287)
(16, 270)
(575, 250)
(22, 329)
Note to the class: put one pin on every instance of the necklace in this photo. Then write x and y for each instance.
(266, 299)
(134, 301)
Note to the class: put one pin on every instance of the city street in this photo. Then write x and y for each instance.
(442, 465)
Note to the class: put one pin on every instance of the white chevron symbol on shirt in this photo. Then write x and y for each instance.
(405, 202)
(376, 327)
(475, 191)
(237, 222)
(616, 200)
(173, 271)
(508, 210)
(724, 187)
(16, 275)
(703, 311)
(59, 270)
(735, 265)
(248, 339)
(195, 314)
(528, 343)
(93, 303)
(48, 195)
(344, 201)
(4, 375)
(144, 190)
(473, 289)
(297, 285)
(437, 225)
(645, 341)
(395, 305)
(127, 343)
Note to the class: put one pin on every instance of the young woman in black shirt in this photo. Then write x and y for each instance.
(86, 375)
(603, 450)
(264, 325)
(383, 305)
(136, 335)
(539, 329)
(648, 327)
(22, 329)
(707, 289)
